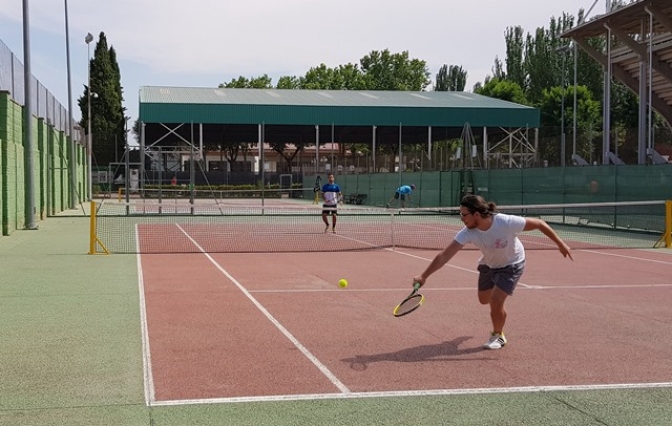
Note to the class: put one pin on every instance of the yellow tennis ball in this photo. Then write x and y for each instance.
(343, 283)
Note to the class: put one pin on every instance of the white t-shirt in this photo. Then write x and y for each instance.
(499, 245)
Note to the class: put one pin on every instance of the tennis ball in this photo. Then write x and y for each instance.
(343, 283)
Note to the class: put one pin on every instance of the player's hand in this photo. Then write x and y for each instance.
(565, 250)
(419, 279)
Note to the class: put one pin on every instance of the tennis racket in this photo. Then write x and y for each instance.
(410, 303)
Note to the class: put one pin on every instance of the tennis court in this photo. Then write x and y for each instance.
(201, 336)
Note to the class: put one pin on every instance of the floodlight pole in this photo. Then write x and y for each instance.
(576, 66)
(563, 50)
(89, 140)
(72, 164)
(29, 156)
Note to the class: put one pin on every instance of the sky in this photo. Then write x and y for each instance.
(203, 43)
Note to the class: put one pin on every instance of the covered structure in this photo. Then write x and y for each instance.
(181, 119)
(639, 55)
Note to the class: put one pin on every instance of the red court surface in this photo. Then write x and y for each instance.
(237, 326)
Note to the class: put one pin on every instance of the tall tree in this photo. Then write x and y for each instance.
(452, 78)
(515, 67)
(322, 77)
(107, 112)
(442, 84)
(387, 71)
(352, 77)
(588, 122)
(505, 90)
(262, 82)
(288, 82)
(457, 78)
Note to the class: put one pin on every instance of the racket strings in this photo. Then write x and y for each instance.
(409, 305)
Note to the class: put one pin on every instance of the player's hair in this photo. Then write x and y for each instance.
(477, 204)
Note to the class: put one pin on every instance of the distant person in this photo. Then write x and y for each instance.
(331, 194)
(503, 260)
(173, 181)
(594, 187)
(401, 194)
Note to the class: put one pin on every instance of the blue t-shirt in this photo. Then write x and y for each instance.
(404, 189)
(331, 191)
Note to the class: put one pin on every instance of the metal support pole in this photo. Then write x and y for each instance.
(72, 164)
(373, 144)
(576, 65)
(29, 173)
(562, 115)
(89, 136)
(400, 153)
(317, 149)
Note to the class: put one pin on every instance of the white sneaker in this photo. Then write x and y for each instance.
(326, 229)
(496, 341)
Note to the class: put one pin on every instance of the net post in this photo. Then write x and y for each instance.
(668, 224)
(392, 231)
(93, 238)
(92, 229)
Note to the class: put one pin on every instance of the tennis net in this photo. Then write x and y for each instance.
(213, 228)
(181, 195)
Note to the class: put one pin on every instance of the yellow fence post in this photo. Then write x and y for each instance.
(668, 223)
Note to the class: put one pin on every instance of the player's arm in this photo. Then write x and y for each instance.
(532, 224)
(441, 259)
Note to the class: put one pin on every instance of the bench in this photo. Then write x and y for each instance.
(355, 199)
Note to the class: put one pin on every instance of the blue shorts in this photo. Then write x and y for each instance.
(504, 278)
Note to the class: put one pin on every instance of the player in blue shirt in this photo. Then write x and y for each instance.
(402, 192)
(331, 193)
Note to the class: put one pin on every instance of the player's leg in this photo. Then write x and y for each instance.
(394, 198)
(334, 215)
(497, 311)
(486, 293)
(495, 297)
(485, 284)
(503, 282)
(403, 201)
(325, 220)
(389, 203)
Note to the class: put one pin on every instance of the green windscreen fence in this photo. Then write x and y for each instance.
(551, 185)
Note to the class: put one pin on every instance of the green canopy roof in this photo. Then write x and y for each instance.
(330, 107)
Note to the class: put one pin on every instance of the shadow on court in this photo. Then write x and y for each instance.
(444, 351)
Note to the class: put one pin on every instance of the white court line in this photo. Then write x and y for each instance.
(644, 259)
(345, 393)
(440, 289)
(431, 392)
(272, 319)
(148, 378)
